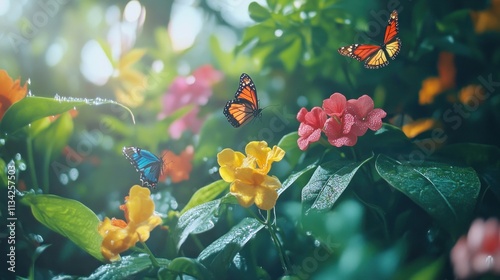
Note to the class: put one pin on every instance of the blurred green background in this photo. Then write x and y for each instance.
(132, 52)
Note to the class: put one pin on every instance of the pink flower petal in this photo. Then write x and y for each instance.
(335, 105)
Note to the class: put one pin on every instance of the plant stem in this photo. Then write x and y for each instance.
(272, 231)
(151, 256)
(31, 163)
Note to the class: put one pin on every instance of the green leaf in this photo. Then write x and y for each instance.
(291, 55)
(126, 268)
(292, 178)
(210, 141)
(54, 138)
(289, 144)
(387, 136)
(200, 218)
(327, 184)
(68, 217)
(257, 12)
(447, 193)
(219, 255)
(186, 266)
(30, 109)
(206, 194)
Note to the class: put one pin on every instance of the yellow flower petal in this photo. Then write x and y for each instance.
(244, 192)
(265, 198)
(253, 187)
(131, 57)
(229, 160)
(139, 204)
(263, 155)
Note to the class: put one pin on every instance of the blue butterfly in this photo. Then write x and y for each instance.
(146, 163)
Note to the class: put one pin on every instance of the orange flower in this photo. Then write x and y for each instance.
(433, 86)
(487, 20)
(10, 91)
(472, 95)
(414, 128)
(118, 235)
(177, 167)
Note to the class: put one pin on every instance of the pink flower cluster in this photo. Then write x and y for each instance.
(341, 120)
(195, 89)
(479, 251)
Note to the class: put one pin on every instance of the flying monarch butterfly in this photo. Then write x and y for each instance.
(146, 163)
(375, 56)
(245, 105)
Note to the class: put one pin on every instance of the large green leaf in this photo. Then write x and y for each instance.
(205, 194)
(447, 193)
(30, 109)
(327, 184)
(200, 218)
(69, 218)
(185, 266)
(219, 255)
(289, 143)
(292, 178)
(126, 268)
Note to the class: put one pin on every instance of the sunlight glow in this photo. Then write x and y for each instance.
(54, 53)
(132, 11)
(95, 65)
(4, 7)
(185, 24)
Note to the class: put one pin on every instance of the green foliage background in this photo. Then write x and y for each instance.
(392, 207)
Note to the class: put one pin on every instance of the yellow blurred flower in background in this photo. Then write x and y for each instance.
(118, 235)
(129, 84)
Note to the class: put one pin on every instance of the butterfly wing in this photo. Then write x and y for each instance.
(146, 163)
(245, 106)
(391, 42)
(375, 56)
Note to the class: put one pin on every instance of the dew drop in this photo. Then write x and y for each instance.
(2, 141)
(22, 166)
(64, 179)
(17, 156)
(317, 243)
(73, 174)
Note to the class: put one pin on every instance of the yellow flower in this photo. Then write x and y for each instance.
(118, 235)
(129, 84)
(10, 91)
(248, 174)
(251, 187)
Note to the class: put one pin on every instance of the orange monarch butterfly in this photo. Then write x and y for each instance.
(375, 56)
(245, 105)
